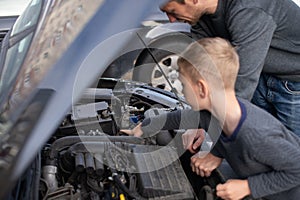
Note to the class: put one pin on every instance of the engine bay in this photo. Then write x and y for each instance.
(89, 158)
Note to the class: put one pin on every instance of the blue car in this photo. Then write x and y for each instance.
(72, 74)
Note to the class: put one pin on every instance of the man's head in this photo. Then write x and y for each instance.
(209, 65)
(188, 11)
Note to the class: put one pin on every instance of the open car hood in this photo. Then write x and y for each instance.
(57, 68)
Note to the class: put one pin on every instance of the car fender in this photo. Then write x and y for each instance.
(168, 28)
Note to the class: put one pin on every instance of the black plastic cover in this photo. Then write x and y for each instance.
(169, 181)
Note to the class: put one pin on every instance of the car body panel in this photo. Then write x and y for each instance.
(43, 91)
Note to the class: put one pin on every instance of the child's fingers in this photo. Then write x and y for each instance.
(197, 144)
(127, 131)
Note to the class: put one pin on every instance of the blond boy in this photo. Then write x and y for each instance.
(261, 151)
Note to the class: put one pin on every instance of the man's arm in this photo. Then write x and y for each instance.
(251, 31)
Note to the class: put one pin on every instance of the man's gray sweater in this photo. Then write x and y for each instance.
(266, 34)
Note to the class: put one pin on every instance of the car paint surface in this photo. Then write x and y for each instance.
(44, 89)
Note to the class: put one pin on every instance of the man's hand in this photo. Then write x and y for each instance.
(203, 166)
(136, 131)
(192, 139)
(233, 189)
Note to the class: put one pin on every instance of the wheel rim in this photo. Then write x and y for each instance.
(169, 68)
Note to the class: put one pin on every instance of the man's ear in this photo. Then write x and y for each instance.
(202, 88)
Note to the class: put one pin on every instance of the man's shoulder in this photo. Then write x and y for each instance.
(253, 3)
(234, 6)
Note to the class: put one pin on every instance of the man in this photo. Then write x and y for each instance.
(266, 35)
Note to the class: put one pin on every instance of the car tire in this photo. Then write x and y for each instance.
(165, 50)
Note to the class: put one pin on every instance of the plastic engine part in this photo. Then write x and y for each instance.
(168, 181)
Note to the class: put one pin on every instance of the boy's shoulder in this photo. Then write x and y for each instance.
(256, 113)
(261, 125)
(259, 121)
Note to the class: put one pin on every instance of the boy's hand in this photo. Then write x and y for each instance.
(136, 131)
(192, 139)
(233, 189)
(203, 166)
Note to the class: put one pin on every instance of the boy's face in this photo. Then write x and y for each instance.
(190, 92)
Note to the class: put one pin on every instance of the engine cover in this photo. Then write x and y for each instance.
(167, 182)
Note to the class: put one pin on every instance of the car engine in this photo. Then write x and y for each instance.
(89, 158)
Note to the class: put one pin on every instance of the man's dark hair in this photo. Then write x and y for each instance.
(180, 1)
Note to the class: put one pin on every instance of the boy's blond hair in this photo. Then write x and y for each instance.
(213, 59)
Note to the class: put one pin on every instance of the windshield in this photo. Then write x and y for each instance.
(17, 50)
(28, 18)
(15, 56)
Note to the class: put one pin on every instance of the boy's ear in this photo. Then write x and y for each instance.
(202, 88)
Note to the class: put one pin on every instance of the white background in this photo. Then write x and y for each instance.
(12, 7)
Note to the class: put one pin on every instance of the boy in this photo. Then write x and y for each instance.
(262, 152)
